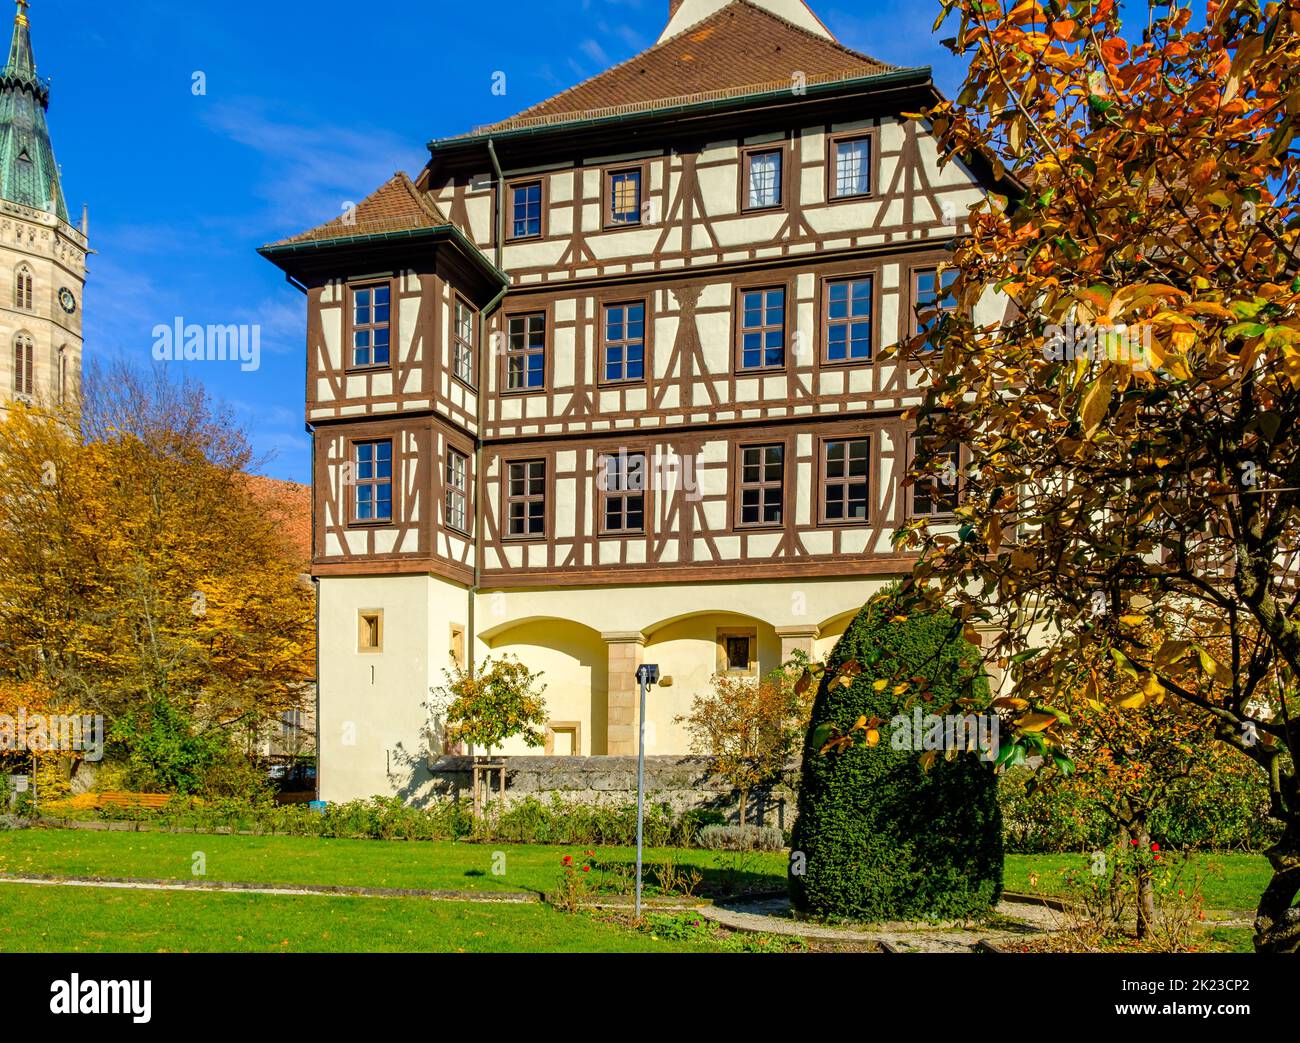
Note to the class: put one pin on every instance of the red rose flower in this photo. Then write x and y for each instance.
(568, 860)
(586, 869)
(1155, 847)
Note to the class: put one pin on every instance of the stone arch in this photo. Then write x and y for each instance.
(24, 288)
(24, 364)
(573, 659)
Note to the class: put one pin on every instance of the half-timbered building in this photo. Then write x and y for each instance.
(607, 383)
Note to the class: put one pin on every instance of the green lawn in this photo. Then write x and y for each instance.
(1233, 882)
(433, 865)
(82, 919)
(62, 918)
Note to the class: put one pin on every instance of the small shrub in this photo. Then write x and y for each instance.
(741, 838)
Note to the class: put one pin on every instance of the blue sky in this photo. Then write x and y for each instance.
(308, 106)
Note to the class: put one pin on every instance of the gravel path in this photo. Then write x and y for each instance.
(1016, 919)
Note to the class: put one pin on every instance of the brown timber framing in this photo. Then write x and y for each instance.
(575, 557)
(673, 152)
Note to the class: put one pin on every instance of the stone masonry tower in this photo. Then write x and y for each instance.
(42, 256)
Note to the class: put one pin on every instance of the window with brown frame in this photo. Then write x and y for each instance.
(846, 467)
(932, 296)
(851, 167)
(526, 210)
(762, 328)
(526, 352)
(937, 494)
(849, 304)
(371, 306)
(624, 192)
(625, 341)
(526, 498)
(462, 341)
(761, 485)
(621, 478)
(763, 178)
(24, 365)
(372, 479)
(456, 499)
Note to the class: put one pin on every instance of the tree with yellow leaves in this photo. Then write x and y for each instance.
(749, 727)
(141, 578)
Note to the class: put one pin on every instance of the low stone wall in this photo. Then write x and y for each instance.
(683, 783)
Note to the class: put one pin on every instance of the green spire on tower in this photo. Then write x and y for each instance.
(28, 173)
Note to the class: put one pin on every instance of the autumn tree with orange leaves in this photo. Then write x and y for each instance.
(138, 569)
(1130, 481)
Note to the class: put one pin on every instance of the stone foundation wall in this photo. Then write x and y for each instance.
(681, 782)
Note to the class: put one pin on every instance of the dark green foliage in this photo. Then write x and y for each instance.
(1231, 815)
(882, 839)
(163, 751)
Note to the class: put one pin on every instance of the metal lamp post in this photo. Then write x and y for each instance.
(646, 676)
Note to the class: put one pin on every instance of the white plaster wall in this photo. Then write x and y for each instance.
(374, 717)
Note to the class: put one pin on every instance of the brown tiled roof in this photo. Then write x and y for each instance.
(396, 206)
(290, 505)
(739, 49)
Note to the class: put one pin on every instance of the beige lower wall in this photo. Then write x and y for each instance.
(374, 715)
(377, 731)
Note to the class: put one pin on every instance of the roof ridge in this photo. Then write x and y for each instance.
(428, 211)
(711, 21)
(833, 40)
(422, 198)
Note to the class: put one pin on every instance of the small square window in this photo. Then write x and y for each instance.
(370, 630)
(736, 652)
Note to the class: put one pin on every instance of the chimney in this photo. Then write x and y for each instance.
(672, 8)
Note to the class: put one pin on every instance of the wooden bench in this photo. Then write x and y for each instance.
(117, 799)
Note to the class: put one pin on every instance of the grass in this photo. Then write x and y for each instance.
(432, 865)
(1235, 881)
(73, 919)
(76, 919)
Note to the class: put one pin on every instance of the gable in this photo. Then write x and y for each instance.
(741, 47)
(691, 12)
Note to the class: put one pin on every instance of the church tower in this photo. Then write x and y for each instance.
(42, 256)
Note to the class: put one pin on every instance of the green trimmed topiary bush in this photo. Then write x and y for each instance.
(880, 838)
